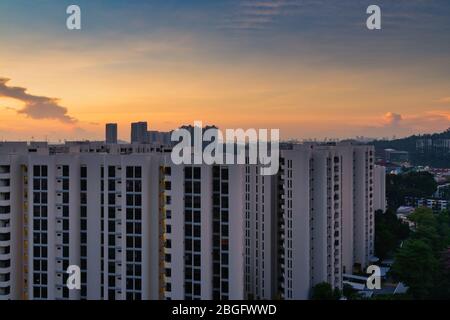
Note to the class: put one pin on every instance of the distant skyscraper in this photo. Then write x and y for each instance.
(111, 133)
(139, 132)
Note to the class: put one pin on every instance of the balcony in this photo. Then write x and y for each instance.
(4, 183)
(5, 267)
(5, 196)
(4, 203)
(4, 256)
(4, 283)
(4, 169)
(4, 230)
(5, 239)
(4, 293)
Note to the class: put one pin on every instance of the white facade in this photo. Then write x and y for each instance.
(312, 219)
(260, 234)
(363, 209)
(203, 232)
(380, 188)
(326, 215)
(141, 227)
(11, 233)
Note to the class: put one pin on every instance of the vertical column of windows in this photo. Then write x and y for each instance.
(40, 232)
(62, 230)
(134, 233)
(83, 230)
(192, 232)
(220, 232)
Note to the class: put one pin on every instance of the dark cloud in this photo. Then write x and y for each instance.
(36, 107)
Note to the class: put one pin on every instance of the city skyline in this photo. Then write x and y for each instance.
(275, 64)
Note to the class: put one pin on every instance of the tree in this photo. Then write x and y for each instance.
(431, 228)
(324, 291)
(389, 232)
(411, 184)
(442, 288)
(385, 241)
(423, 216)
(416, 266)
(443, 227)
(350, 293)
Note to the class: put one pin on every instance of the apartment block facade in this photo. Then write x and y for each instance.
(140, 227)
(326, 215)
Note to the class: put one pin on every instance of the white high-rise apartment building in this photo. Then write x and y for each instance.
(97, 211)
(202, 228)
(363, 206)
(311, 230)
(380, 186)
(260, 234)
(140, 227)
(11, 232)
(326, 216)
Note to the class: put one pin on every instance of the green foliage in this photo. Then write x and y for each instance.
(443, 227)
(416, 266)
(389, 232)
(324, 291)
(431, 228)
(411, 184)
(423, 216)
(442, 288)
(423, 262)
(350, 293)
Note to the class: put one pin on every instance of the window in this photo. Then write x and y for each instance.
(137, 172)
(112, 171)
(83, 172)
(197, 173)
(65, 171)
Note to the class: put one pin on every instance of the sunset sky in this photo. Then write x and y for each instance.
(308, 67)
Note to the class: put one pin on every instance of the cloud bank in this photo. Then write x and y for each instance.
(36, 107)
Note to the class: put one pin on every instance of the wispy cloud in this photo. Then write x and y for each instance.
(444, 100)
(258, 14)
(36, 107)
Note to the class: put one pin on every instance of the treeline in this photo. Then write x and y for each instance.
(434, 158)
(411, 184)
